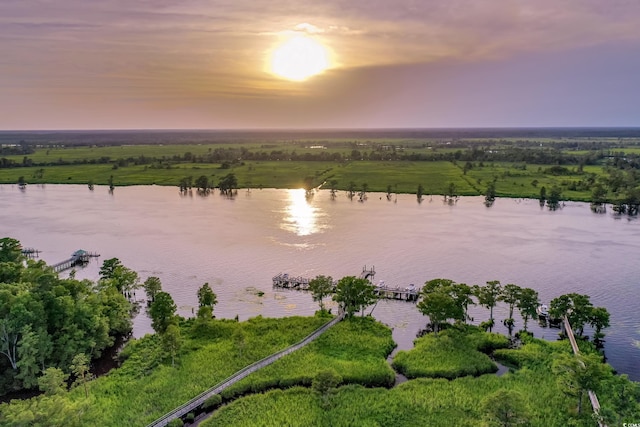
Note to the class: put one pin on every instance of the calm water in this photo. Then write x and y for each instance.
(238, 245)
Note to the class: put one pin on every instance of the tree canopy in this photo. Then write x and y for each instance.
(354, 294)
(45, 321)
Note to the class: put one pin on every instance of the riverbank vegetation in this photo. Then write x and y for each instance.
(531, 392)
(456, 352)
(48, 322)
(341, 378)
(552, 166)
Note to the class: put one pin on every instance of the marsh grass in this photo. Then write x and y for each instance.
(146, 386)
(453, 353)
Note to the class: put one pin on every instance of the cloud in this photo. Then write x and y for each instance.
(214, 52)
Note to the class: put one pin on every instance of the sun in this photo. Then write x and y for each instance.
(299, 58)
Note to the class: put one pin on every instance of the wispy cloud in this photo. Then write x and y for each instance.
(212, 51)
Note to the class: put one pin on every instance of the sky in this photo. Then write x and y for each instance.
(205, 64)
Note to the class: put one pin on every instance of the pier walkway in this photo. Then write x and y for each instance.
(218, 388)
(79, 257)
(409, 293)
(572, 339)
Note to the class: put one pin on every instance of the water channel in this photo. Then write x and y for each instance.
(237, 245)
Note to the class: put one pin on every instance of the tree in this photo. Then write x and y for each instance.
(108, 268)
(598, 319)
(202, 184)
(576, 374)
(10, 250)
(351, 191)
(28, 357)
(511, 295)
(80, 368)
(228, 184)
(206, 300)
(543, 195)
(624, 400)
(52, 381)
(333, 186)
(527, 304)
(151, 287)
(488, 297)
(162, 312)
(320, 287)
(505, 408)
(462, 293)
(354, 294)
(439, 306)
(555, 195)
(576, 307)
(490, 194)
(172, 341)
(324, 383)
(124, 280)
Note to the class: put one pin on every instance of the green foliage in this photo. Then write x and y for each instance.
(354, 294)
(451, 355)
(320, 287)
(45, 321)
(144, 388)
(207, 298)
(528, 302)
(175, 423)
(10, 250)
(505, 408)
(80, 369)
(355, 349)
(576, 374)
(488, 296)
(152, 286)
(162, 312)
(172, 341)
(212, 402)
(52, 381)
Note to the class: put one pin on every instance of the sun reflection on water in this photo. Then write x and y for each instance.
(301, 217)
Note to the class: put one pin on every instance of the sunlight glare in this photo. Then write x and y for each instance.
(301, 217)
(299, 58)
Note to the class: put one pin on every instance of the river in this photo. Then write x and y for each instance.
(238, 245)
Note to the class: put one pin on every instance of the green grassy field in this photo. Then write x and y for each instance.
(355, 349)
(450, 355)
(426, 401)
(402, 177)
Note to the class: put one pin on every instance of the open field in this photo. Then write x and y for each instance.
(518, 163)
(403, 177)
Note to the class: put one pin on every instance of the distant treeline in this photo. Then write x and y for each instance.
(227, 155)
(120, 137)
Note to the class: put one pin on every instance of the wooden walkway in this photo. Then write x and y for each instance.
(409, 293)
(218, 388)
(79, 257)
(30, 253)
(574, 345)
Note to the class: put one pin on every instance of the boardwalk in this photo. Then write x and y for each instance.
(218, 388)
(409, 293)
(592, 395)
(79, 257)
(30, 253)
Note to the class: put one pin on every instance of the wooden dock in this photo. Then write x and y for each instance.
(384, 291)
(30, 253)
(78, 258)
